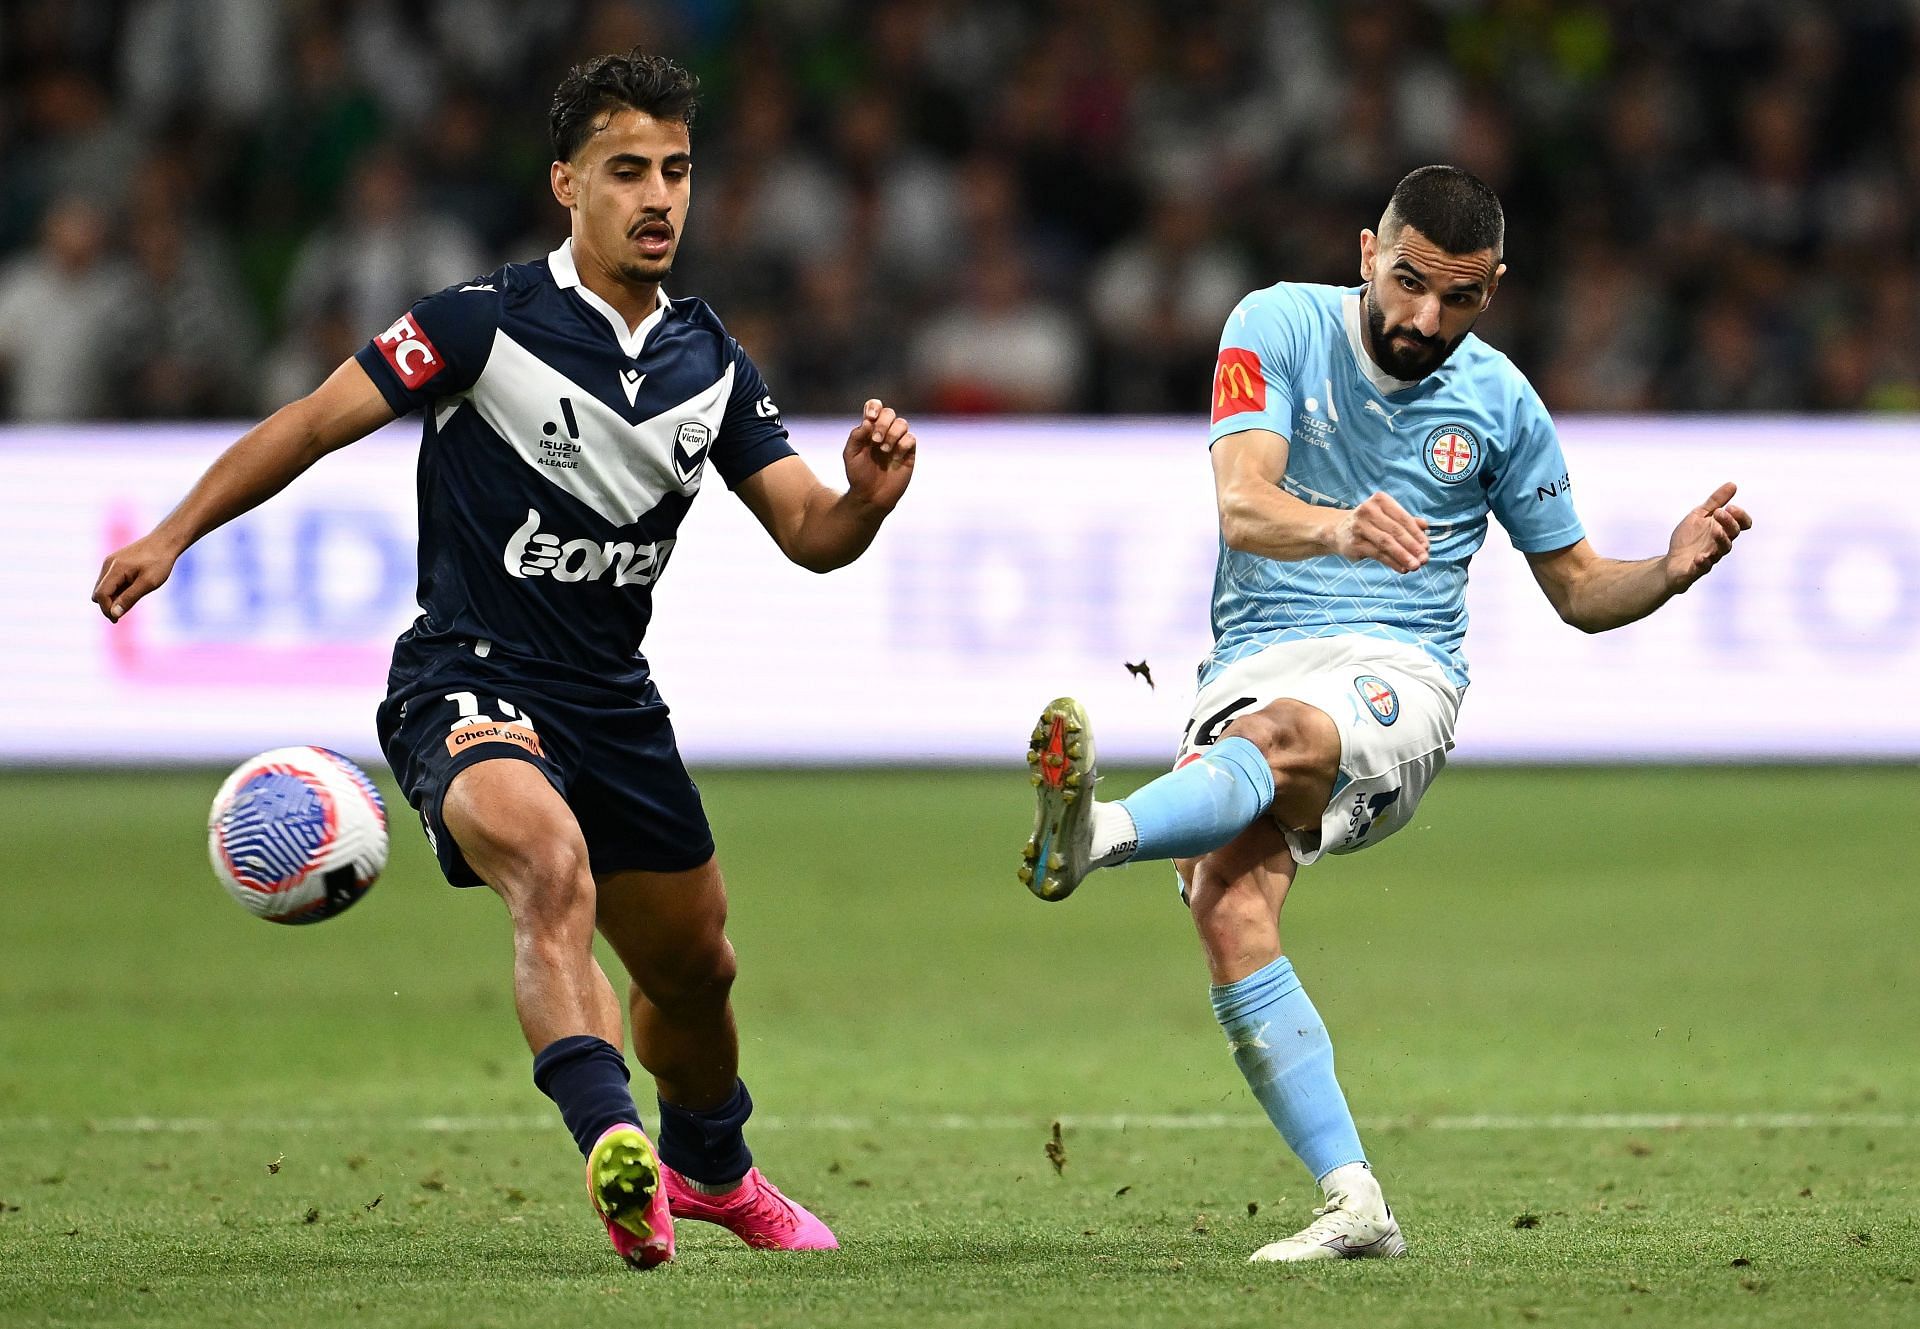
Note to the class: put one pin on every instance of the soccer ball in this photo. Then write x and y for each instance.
(297, 834)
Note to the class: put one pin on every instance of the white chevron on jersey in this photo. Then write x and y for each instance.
(620, 470)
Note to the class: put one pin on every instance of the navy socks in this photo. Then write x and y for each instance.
(708, 1147)
(586, 1077)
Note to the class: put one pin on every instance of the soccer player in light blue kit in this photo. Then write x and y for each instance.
(1360, 439)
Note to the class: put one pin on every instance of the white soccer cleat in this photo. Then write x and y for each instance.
(1338, 1233)
(1060, 851)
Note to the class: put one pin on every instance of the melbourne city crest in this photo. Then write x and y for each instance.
(1380, 697)
(1452, 453)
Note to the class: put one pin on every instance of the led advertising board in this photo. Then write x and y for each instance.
(1030, 558)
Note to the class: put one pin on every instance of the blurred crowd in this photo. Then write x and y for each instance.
(971, 205)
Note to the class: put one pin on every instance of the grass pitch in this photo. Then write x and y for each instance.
(1630, 1047)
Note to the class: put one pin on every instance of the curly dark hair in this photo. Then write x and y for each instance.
(650, 83)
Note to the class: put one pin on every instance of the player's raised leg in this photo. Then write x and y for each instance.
(1283, 757)
(1280, 1043)
(669, 929)
(519, 836)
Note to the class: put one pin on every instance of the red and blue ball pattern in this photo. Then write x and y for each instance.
(297, 835)
(274, 828)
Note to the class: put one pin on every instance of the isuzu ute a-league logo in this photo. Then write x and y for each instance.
(1453, 453)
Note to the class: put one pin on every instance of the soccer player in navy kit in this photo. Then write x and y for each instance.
(571, 411)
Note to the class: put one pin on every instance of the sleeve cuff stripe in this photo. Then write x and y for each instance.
(1571, 535)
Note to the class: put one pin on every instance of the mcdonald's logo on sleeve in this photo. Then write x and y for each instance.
(1238, 383)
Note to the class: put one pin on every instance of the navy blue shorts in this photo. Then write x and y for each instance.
(611, 755)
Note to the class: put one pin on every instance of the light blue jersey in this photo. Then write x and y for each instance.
(1470, 438)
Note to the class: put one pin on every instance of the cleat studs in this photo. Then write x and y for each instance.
(1034, 779)
(1073, 779)
(1055, 862)
(1069, 795)
(1033, 757)
(1076, 751)
(1055, 761)
(1026, 876)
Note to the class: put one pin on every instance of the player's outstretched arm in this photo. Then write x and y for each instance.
(1257, 516)
(261, 463)
(820, 528)
(1595, 594)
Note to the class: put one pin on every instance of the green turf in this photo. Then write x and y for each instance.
(1538, 943)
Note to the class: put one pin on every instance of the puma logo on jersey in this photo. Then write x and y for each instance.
(533, 552)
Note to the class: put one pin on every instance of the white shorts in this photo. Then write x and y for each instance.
(1392, 705)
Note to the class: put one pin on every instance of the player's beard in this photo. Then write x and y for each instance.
(655, 272)
(1405, 363)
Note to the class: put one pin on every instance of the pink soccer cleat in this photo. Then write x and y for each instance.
(623, 1178)
(757, 1213)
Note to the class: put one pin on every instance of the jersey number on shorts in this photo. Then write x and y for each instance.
(474, 726)
(1211, 727)
(471, 714)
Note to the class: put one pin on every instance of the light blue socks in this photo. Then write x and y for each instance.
(1201, 806)
(1277, 1037)
(1282, 1048)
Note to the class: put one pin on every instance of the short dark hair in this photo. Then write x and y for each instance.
(650, 83)
(1451, 207)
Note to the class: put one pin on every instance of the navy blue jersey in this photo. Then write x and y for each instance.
(560, 452)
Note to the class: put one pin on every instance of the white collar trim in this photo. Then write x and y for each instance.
(1383, 382)
(567, 277)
